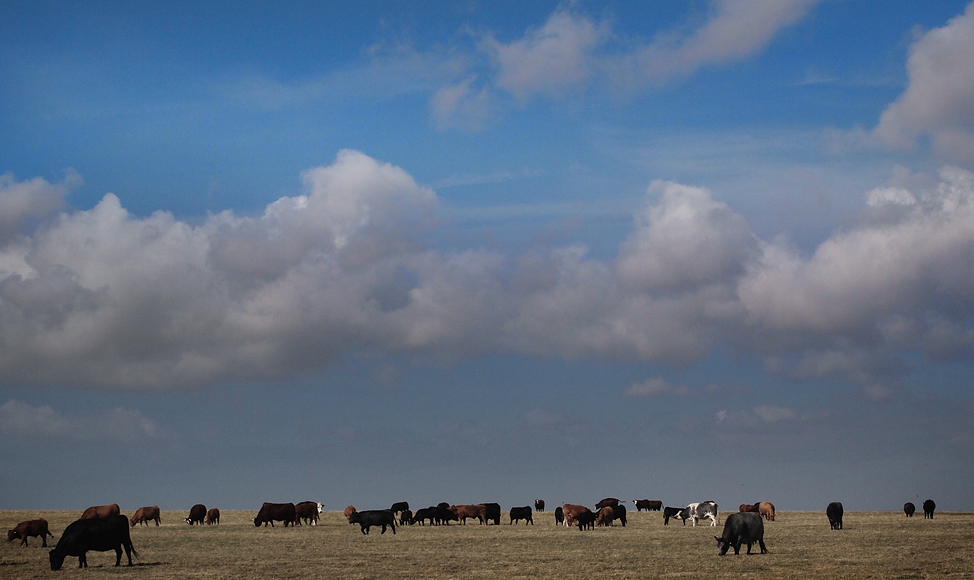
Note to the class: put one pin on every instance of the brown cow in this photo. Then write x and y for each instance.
(539, 505)
(463, 512)
(348, 513)
(609, 501)
(653, 505)
(28, 528)
(746, 507)
(101, 512)
(766, 509)
(213, 516)
(571, 511)
(605, 517)
(308, 511)
(146, 514)
(271, 512)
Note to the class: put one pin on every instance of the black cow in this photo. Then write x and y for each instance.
(741, 528)
(444, 515)
(909, 509)
(368, 518)
(99, 535)
(928, 507)
(559, 515)
(521, 513)
(492, 512)
(834, 513)
(399, 507)
(424, 514)
(405, 518)
(281, 512)
(620, 513)
(586, 520)
(197, 514)
(671, 512)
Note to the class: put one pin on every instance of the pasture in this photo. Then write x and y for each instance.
(872, 545)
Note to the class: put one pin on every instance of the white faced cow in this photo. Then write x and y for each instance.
(699, 511)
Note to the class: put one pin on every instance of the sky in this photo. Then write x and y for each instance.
(368, 252)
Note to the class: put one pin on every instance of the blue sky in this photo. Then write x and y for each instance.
(466, 251)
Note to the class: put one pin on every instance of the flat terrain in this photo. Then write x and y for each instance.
(872, 545)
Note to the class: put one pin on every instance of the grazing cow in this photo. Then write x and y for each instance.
(405, 518)
(348, 513)
(492, 513)
(699, 511)
(29, 528)
(444, 515)
(672, 512)
(650, 505)
(571, 512)
(521, 513)
(741, 528)
(197, 514)
(146, 514)
(307, 511)
(559, 515)
(539, 505)
(399, 507)
(766, 509)
(368, 518)
(834, 513)
(98, 534)
(212, 516)
(101, 511)
(609, 501)
(605, 516)
(463, 512)
(909, 509)
(586, 519)
(747, 507)
(275, 512)
(928, 507)
(424, 514)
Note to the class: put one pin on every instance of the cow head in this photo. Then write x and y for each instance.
(57, 560)
(12, 535)
(721, 546)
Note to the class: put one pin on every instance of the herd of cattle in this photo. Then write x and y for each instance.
(103, 528)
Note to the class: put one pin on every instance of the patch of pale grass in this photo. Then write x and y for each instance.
(872, 545)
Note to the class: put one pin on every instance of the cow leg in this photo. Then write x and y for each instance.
(118, 556)
(83, 561)
(764, 549)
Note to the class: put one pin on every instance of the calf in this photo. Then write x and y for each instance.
(368, 518)
(521, 513)
(741, 528)
(834, 513)
(909, 509)
(928, 507)
(212, 516)
(586, 519)
(29, 528)
(98, 534)
(144, 515)
(672, 512)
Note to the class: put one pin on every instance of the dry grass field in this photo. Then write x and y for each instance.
(872, 545)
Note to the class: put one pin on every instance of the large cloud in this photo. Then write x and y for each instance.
(102, 298)
(19, 419)
(939, 100)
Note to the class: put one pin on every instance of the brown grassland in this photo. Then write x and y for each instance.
(872, 545)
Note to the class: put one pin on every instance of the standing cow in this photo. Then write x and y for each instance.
(30, 528)
(766, 509)
(521, 513)
(741, 528)
(928, 507)
(834, 513)
(539, 505)
(197, 514)
(559, 515)
(609, 501)
(699, 511)
(909, 509)
(672, 512)
(212, 516)
(146, 514)
(368, 518)
(306, 511)
(652, 505)
(97, 534)
(271, 512)
(101, 511)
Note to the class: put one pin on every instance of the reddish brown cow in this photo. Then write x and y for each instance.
(571, 511)
(653, 505)
(28, 528)
(609, 501)
(766, 509)
(101, 512)
(212, 516)
(146, 514)
(605, 517)
(746, 507)
(308, 511)
(463, 512)
(348, 513)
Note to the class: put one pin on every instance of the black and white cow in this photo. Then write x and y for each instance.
(699, 511)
